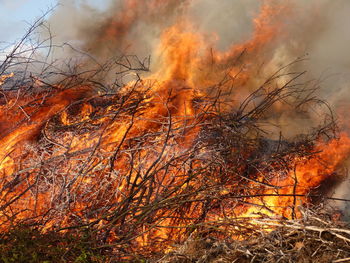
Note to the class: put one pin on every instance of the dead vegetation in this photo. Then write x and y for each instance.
(316, 237)
(85, 155)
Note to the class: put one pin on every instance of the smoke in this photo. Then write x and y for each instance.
(125, 27)
(230, 21)
(320, 30)
(316, 30)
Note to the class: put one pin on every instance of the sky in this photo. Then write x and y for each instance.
(17, 15)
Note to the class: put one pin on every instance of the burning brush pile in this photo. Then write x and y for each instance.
(178, 161)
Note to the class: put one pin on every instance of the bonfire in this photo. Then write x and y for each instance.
(175, 163)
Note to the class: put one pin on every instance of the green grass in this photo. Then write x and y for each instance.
(26, 244)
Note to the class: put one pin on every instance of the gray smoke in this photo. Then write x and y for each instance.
(318, 30)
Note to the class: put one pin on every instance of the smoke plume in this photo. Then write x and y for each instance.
(315, 31)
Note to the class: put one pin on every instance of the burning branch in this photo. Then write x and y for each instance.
(155, 161)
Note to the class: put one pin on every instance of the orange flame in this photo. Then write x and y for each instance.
(151, 124)
(293, 189)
